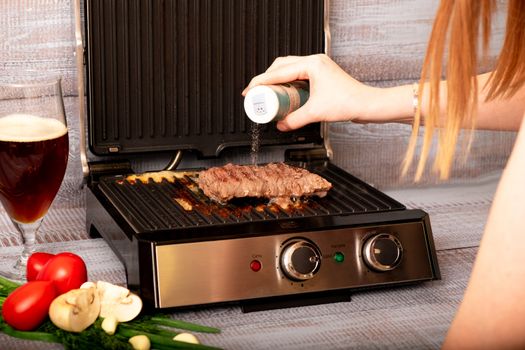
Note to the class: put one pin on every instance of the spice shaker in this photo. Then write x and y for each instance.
(266, 103)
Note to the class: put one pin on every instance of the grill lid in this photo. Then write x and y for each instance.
(167, 75)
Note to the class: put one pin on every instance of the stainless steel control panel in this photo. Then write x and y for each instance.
(287, 264)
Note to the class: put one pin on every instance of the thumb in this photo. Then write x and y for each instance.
(295, 120)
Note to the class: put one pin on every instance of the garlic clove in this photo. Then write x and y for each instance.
(187, 338)
(140, 342)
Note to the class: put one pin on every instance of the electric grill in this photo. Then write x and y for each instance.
(166, 76)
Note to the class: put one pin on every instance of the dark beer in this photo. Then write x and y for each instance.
(33, 159)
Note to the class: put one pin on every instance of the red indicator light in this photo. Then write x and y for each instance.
(255, 265)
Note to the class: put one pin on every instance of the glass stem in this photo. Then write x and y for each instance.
(28, 232)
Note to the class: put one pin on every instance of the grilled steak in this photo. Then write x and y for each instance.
(276, 181)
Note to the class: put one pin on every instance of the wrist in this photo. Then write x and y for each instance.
(391, 105)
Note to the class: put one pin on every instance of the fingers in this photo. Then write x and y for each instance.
(287, 69)
(295, 120)
(283, 61)
(283, 70)
(283, 74)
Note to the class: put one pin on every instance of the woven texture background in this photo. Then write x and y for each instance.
(378, 41)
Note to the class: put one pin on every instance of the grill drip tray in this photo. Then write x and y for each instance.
(182, 249)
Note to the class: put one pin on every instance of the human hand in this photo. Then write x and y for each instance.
(334, 95)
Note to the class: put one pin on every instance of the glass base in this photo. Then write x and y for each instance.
(16, 273)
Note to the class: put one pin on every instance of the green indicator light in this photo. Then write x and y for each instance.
(339, 257)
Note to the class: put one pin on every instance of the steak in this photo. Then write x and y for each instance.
(278, 182)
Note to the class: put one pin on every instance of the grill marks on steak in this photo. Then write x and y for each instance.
(278, 182)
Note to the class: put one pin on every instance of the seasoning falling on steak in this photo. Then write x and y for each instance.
(278, 182)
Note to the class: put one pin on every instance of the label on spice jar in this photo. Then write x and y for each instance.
(266, 103)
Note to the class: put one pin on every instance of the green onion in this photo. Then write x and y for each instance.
(164, 321)
(7, 286)
(41, 336)
(150, 328)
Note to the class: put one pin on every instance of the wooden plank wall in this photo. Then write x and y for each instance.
(380, 42)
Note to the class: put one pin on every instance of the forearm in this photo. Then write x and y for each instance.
(501, 113)
(493, 309)
(395, 105)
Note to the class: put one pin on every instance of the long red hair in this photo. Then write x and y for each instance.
(459, 23)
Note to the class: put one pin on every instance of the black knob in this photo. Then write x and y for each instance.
(382, 252)
(300, 260)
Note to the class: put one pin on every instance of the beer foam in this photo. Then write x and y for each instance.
(30, 128)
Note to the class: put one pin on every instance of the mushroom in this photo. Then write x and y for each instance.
(75, 310)
(109, 325)
(118, 302)
(88, 284)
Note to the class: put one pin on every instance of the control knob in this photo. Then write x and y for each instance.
(300, 260)
(382, 252)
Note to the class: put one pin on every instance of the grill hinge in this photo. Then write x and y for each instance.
(306, 155)
(107, 168)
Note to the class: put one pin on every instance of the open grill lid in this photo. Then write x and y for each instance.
(166, 75)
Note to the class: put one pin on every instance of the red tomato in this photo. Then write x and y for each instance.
(67, 270)
(35, 263)
(27, 306)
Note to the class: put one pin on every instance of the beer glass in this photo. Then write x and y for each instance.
(33, 158)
